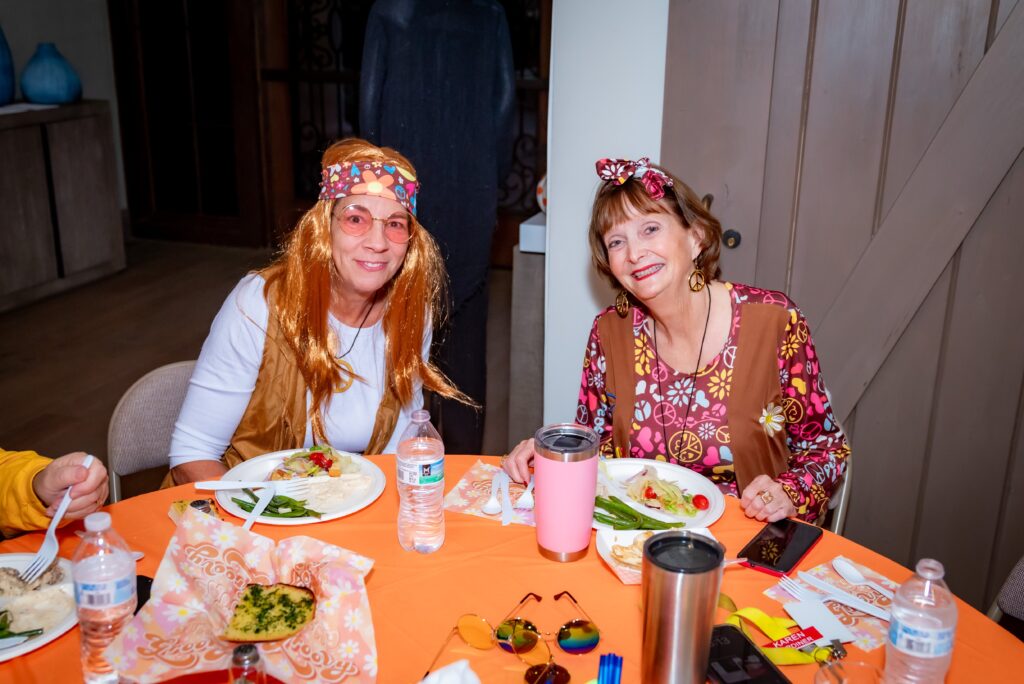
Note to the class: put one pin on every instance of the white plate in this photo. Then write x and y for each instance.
(261, 467)
(621, 469)
(607, 538)
(20, 561)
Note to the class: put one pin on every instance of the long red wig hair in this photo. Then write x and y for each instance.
(415, 296)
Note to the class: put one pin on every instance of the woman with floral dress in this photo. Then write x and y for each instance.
(718, 377)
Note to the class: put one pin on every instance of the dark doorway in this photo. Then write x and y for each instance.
(189, 110)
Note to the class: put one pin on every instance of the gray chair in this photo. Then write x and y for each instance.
(1011, 597)
(841, 501)
(139, 435)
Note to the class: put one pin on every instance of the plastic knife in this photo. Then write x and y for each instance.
(840, 596)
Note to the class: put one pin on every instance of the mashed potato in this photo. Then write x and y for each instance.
(333, 493)
(41, 609)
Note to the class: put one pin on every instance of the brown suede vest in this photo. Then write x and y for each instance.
(755, 384)
(275, 418)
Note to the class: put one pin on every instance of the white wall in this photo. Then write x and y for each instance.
(81, 31)
(606, 94)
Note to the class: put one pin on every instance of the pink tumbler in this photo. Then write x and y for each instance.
(565, 482)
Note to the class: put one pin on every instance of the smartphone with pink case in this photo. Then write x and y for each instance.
(565, 483)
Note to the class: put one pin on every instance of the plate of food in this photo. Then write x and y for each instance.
(354, 483)
(45, 607)
(656, 495)
(623, 551)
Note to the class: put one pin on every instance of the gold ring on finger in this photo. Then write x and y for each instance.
(766, 497)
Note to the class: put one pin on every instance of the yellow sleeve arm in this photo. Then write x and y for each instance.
(20, 508)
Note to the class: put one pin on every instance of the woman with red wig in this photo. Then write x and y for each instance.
(329, 344)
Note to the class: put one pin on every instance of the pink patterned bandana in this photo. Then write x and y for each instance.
(379, 179)
(618, 171)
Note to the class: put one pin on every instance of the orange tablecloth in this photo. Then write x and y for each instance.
(485, 569)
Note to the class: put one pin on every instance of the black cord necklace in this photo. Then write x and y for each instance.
(360, 328)
(693, 385)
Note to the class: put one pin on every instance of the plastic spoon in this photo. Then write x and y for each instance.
(493, 507)
(525, 500)
(849, 572)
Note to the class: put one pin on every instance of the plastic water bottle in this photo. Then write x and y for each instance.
(421, 486)
(920, 644)
(104, 575)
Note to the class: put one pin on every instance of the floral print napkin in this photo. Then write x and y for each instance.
(870, 632)
(207, 566)
(473, 490)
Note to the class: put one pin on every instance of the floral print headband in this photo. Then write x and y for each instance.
(379, 179)
(618, 171)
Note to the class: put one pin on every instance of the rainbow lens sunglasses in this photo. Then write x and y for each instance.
(357, 220)
(520, 636)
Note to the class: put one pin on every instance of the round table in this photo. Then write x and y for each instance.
(486, 569)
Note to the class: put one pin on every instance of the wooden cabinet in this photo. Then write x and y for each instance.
(60, 224)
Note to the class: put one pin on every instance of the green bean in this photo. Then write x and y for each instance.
(274, 511)
(617, 507)
(614, 523)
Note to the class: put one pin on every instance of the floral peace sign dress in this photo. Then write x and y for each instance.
(817, 444)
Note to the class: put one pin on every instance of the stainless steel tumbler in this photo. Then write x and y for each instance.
(681, 575)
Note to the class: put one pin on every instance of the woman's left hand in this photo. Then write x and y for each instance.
(765, 499)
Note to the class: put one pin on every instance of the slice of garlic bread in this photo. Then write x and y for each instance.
(269, 613)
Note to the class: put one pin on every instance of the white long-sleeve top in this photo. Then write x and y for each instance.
(225, 377)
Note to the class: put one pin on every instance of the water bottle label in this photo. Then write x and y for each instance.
(421, 473)
(921, 642)
(105, 594)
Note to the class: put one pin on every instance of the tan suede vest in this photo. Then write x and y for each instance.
(275, 418)
(755, 384)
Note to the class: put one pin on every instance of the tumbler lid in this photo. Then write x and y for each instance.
(566, 442)
(684, 552)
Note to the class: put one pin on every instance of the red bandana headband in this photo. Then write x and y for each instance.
(618, 171)
(379, 179)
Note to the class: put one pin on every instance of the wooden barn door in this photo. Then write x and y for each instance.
(869, 154)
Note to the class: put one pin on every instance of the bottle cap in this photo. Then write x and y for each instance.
(97, 522)
(245, 655)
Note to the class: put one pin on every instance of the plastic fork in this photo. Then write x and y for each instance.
(48, 551)
(797, 591)
(296, 488)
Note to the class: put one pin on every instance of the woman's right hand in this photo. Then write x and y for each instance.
(517, 463)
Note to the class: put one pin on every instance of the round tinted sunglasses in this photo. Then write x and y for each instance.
(357, 220)
(520, 636)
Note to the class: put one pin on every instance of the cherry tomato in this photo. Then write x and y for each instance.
(320, 459)
(700, 502)
(649, 493)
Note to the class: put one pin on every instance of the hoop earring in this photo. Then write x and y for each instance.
(622, 304)
(697, 281)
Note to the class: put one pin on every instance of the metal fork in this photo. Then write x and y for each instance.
(48, 551)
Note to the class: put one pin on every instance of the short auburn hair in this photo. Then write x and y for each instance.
(614, 204)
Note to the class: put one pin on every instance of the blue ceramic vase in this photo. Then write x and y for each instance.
(48, 78)
(6, 71)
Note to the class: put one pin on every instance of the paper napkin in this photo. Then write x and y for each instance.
(473, 490)
(869, 632)
(206, 567)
